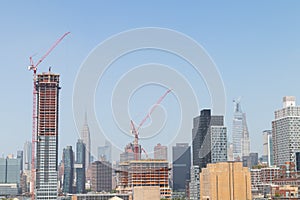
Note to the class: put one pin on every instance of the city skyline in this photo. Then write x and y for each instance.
(140, 100)
(235, 51)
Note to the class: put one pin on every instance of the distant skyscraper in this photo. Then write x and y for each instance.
(80, 167)
(230, 152)
(10, 176)
(10, 170)
(2, 170)
(68, 161)
(128, 154)
(47, 136)
(20, 156)
(85, 136)
(200, 129)
(27, 156)
(240, 134)
(104, 152)
(181, 166)
(102, 176)
(13, 170)
(267, 155)
(209, 139)
(251, 160)
(161, 152)
(285, 132)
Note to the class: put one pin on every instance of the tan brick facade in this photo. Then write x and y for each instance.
(225, 181)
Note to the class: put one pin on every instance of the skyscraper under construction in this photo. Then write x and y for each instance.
(47, 89)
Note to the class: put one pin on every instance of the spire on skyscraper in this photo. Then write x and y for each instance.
(237, 105)
(85, 117)
(240, 133)
(85, 136)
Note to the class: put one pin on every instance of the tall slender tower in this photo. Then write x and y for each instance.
(68, 159)
(80, 167)
(27, 156)
(47, 87)
(267, 155)
(85, 136)
(181, 162)
(240, 134)
(209, 139)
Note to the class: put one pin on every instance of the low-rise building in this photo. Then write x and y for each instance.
(285, 192)
(100, 196)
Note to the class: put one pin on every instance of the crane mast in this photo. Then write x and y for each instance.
(135, 130)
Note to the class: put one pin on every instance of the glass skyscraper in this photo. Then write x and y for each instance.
(13, 170)
(209, 139)
(2, 170)
(27, 156)
(68, 161)
(181, 166)
(80, 167)
(10, 170)
(20, 156)
(240, 134)
(267, 155)
(104, 152)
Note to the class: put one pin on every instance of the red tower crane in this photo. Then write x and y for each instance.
(33, 67)
(135, 130)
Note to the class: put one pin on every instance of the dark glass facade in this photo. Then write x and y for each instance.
(181, 166)
(200, 130)
(80, 167)
(209, 139)
(298, 161)
(68, 169)
(102, 176)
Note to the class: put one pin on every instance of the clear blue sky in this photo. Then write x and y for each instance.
(256, 46)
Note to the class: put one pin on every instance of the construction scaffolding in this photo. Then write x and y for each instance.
(144, 173)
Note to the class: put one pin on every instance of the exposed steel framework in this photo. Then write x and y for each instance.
(33, 67)
(144, 173)
(135, 131)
